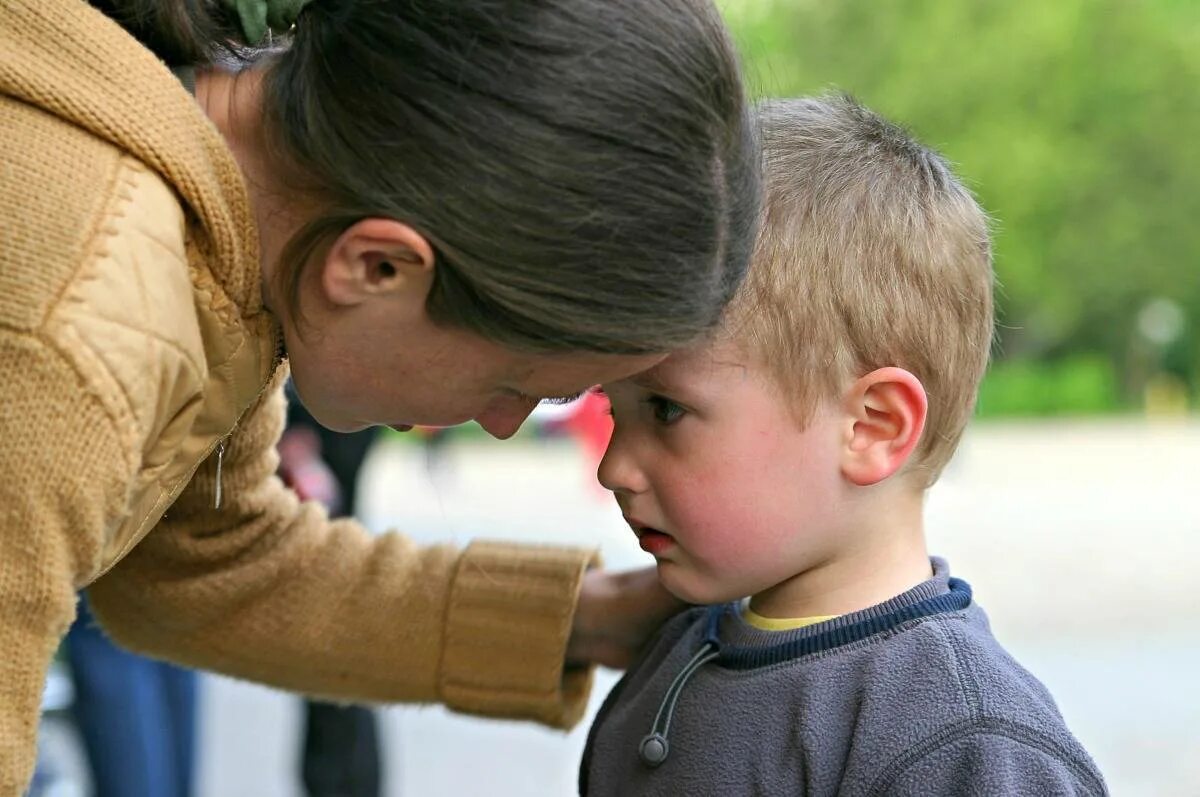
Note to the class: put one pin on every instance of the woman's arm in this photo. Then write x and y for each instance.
(64, 476)
(270, 589)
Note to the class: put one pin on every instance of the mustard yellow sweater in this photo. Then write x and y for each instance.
(136, 355)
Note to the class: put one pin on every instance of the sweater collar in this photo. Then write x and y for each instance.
(745, 647)
(733, 644)
(70, 60)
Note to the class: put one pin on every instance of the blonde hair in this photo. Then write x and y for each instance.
(871, 254)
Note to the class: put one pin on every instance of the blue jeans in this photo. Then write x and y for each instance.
(137, 716)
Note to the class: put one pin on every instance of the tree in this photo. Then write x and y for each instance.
(1076, 123)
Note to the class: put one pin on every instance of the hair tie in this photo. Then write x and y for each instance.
(260, 17)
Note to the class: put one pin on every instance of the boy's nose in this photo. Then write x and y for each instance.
(618, 472)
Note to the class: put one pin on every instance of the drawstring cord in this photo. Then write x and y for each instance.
(654, 747)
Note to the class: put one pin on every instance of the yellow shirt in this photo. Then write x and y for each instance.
(781, 623)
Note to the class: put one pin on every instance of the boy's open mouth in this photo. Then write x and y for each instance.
(653, 541)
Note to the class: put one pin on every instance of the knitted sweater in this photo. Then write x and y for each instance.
(140, 377)
(913, 696)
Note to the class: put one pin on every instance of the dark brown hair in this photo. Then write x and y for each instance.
(586, 170)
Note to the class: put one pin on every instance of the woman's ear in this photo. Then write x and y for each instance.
(885, 414)
(377, 258)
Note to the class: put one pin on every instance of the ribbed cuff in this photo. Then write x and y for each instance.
(508, 619)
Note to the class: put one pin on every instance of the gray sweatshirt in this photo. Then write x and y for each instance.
(910, 697)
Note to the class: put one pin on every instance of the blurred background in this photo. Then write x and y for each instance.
(1070, 506)
(1076, 123)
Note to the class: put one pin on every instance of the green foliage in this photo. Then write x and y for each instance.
(1076, 122)
(1079, 385)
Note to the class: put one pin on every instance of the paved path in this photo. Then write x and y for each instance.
(1082, 541)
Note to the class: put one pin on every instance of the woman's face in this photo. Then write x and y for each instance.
(371, 356)
(352, 376)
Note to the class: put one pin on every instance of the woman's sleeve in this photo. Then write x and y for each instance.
(269, 589)
(64, 475)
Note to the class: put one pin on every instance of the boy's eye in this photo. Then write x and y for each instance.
(666, 412)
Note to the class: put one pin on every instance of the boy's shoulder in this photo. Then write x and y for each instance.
(924, 707)
(943, 703)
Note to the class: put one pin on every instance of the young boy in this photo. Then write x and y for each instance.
(787, 460)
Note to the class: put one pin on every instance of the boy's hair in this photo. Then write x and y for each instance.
(871, 254)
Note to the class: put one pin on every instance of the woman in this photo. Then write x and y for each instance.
(437, 212)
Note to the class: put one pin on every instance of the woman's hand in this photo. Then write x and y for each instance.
(616, 615)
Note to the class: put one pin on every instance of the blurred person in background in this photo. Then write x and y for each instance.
(429, 212)
(340, 753)
(136, 716)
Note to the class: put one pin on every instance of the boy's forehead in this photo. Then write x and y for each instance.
(693, 363)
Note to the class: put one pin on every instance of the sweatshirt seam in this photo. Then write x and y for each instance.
(983, 726)
(966, 679)
(89, 394)
(117, 187)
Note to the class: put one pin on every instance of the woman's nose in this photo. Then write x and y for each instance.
(501, 419)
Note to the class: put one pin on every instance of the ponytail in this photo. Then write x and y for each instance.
(180, 32)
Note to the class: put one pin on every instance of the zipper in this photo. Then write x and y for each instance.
(277, 358)
(172, 496)
(220, 463)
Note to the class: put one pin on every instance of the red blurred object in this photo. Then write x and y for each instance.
(591, 424)
(302, 469)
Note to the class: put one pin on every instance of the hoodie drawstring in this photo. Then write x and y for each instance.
(654, 747)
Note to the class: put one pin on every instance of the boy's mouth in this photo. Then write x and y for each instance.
(653, 541)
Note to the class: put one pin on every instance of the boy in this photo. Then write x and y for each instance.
(787, 459)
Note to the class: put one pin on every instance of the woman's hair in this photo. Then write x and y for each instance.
(586, 170)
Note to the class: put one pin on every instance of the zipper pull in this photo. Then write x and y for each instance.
(220, 462)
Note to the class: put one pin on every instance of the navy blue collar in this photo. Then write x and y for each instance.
(956, 598)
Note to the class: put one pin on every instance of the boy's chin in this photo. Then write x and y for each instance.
(691, 588)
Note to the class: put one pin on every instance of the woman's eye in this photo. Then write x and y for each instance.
(665, 411)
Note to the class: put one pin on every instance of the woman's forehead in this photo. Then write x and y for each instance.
(566, 374)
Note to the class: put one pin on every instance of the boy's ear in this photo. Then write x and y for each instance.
(885, 414)
(377, 257)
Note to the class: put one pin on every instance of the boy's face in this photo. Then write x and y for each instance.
(717, 479)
